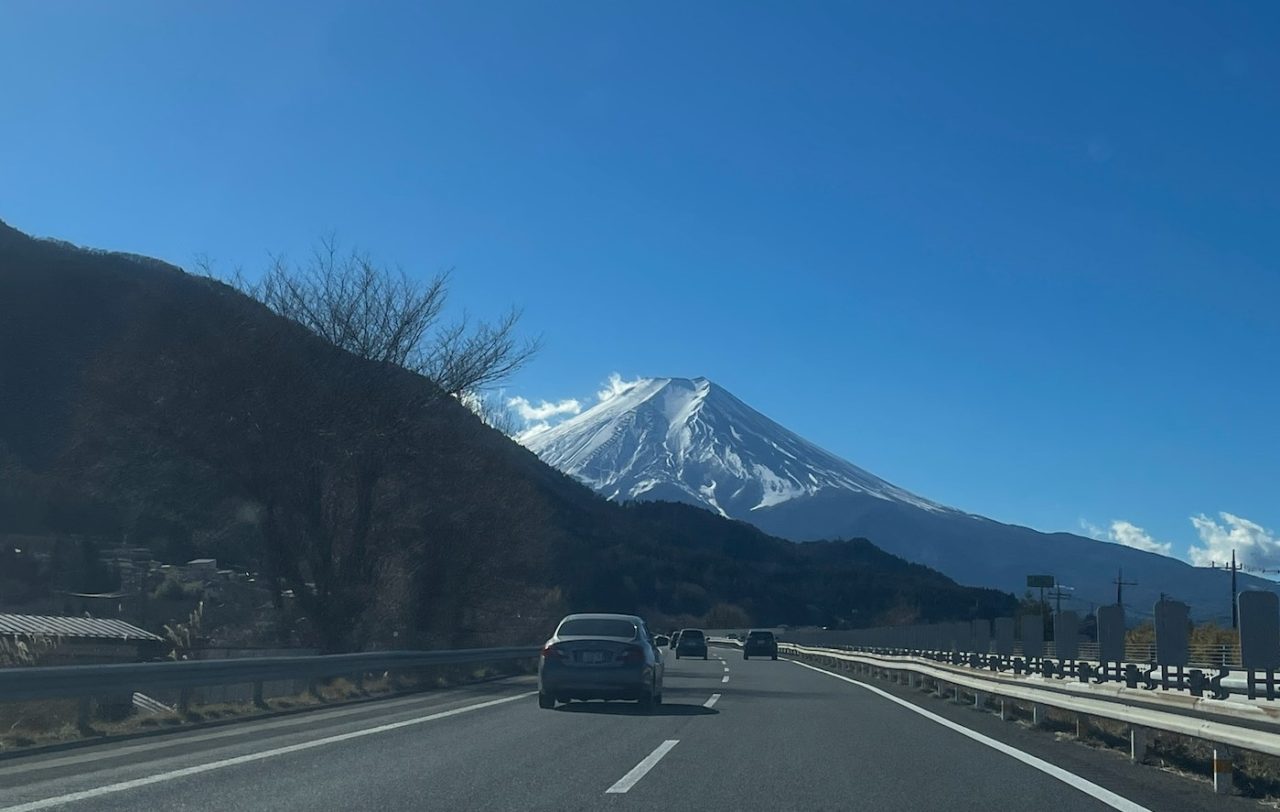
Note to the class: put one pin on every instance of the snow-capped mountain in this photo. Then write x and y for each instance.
(690, 440)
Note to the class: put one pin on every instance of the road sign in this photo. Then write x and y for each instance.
(1041, 581)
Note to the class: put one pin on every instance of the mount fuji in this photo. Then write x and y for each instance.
(690, 440)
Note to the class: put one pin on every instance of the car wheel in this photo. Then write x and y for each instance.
(775, 656)
(744, 656)
(677, 655)
(647, 703)
(704, 656)
(546, 701)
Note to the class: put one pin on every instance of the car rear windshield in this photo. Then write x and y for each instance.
(597, 627)
(691, 634)
(760, 636)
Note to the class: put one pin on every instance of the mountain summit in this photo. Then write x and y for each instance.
(690, 440)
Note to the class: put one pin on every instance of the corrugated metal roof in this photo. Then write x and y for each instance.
(84, 627)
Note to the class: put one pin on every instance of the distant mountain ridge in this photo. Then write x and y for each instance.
(690, 440)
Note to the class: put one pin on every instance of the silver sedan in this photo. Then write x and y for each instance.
(600, 656)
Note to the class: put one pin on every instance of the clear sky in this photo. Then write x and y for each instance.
(1021, 258)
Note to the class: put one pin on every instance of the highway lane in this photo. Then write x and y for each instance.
(781, 736)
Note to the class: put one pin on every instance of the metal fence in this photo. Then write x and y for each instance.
(1170, 662)
(123, 679)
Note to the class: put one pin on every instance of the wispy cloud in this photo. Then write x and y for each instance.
(1255, 545)
(1128, 534)
(545, 410)
(615, 386)
(1092, 530)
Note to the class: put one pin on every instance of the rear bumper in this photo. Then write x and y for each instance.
(595, 683)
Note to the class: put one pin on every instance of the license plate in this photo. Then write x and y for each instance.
(593, 657)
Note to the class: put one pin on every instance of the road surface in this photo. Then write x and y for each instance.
(732, 735)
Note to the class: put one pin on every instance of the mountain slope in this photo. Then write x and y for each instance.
(145, 406)
(690, 440)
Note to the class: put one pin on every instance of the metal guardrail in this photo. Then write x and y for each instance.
(1225, 725)
(55, 682)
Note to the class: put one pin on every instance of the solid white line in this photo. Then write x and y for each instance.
(711, 703)
(726, 679)
(1086, 786)
(629, 780)
(123, 786)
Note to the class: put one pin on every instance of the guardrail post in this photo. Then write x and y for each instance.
(1005, 710)
(979, 699)
(1137, 744)
(1082, 725)
(955, 694)
(941, 689)
(184, 701)
(258, 700)
(1037, 714)
(1221, 769)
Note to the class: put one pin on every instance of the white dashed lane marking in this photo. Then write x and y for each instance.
(639, 771)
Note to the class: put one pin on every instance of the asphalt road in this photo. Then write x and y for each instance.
(780, 736)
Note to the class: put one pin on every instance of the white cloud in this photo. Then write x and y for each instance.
(546, 415)
(1128, 534)
(616, 386)
(1255, 545)
(544, 410)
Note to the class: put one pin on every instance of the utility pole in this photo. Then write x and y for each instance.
(1057, 594)
(1121, 583)
(1235, 612)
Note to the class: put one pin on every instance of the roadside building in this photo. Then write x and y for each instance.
(83, 640)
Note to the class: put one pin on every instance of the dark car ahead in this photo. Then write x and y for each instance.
(600, 656)
(692, 643)
(761, 643)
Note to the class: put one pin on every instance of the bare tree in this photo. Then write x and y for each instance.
(385, 315)
(492, 408)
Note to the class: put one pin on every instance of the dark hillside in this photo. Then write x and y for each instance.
(140, 405)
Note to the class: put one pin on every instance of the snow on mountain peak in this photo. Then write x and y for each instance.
(690, 440)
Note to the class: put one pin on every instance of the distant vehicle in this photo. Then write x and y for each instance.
(692, 643)
(662, 641)
(675, 638)
(760, 642)
(600, 656)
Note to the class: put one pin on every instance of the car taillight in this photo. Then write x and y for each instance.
(552, 653)
(632, 655)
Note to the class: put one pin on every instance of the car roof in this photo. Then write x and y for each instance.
(602, 616)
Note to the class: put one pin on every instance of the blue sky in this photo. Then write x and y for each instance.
(1022, 259)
